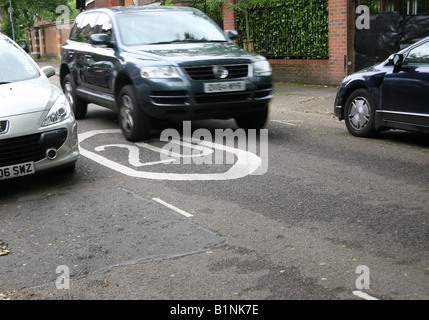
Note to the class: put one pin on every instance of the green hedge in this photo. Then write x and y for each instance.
(297, 29)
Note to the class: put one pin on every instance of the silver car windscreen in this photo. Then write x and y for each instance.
(14, 64)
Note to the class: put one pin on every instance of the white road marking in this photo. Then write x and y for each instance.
(284, 122)
(363, 295)
(133, 155)
(187, 215)
(246, 163)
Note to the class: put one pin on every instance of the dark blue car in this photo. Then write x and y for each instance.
(391, 95)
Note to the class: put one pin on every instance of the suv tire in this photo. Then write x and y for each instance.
(78, 105)
(255, 120)
(135, 124)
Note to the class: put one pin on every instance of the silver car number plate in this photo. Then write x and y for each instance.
(16, 170)
(214, 87)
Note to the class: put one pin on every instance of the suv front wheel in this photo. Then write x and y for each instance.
(135, 124)
(255, 120)
(78, 105)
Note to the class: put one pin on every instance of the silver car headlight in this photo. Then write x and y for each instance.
(60, 111)
(159, 72)
(262, 67)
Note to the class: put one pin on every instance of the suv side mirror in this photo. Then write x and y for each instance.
(396, 59)
(99, 39)
(231, 34)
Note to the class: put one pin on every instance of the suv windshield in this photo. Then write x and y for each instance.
(163, 27)
(15, 65)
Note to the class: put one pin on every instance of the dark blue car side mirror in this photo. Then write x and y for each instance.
(100, 39)
(396, 59)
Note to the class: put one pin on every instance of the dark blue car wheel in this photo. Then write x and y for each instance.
(359, 114)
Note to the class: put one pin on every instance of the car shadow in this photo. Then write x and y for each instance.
(405, 137)
(34, 185)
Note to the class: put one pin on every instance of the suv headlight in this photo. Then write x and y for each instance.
(59, 111)
(160, 72)
(262, 67)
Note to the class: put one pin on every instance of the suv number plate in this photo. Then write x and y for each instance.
(16, 170)
(213, 87)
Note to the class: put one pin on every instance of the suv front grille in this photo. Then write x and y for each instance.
(20, 150)
(206, 72)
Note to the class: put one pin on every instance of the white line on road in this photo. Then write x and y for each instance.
(284, 122)
(363, 295)
(187, 215)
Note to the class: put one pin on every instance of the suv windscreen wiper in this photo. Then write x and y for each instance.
(4, 82)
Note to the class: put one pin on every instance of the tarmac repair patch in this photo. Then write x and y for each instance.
(91, 231)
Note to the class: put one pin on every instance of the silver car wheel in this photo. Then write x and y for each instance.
(360, 113)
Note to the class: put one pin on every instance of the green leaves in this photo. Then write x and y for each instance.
(213, 8)
(285, 29)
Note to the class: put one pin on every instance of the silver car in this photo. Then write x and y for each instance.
(38, 130)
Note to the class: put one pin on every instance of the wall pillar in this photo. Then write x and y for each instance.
(229, 15)
(35, 44)
(341, 38)
(41, 42)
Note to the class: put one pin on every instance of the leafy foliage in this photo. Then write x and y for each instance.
(213, 8)
(373, 5)
(28, 12)
(287, 29)
(167, 3)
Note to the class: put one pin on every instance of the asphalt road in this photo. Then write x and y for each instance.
(327, 204)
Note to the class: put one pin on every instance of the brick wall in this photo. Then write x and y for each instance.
(102, 4)
(332, 71)
(46, 41)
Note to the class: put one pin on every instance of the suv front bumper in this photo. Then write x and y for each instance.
(187, 101)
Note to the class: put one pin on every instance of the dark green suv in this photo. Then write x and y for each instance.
(170, 63)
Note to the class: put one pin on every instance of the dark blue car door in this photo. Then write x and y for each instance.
(405, 90)
(77, 53)
(101, 59)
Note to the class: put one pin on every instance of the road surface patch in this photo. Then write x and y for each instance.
(91, 231)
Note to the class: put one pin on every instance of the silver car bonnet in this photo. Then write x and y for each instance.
(28, 96)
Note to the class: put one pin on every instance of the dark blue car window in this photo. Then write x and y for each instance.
(83, 27)
(104, 25)
(418, 56)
